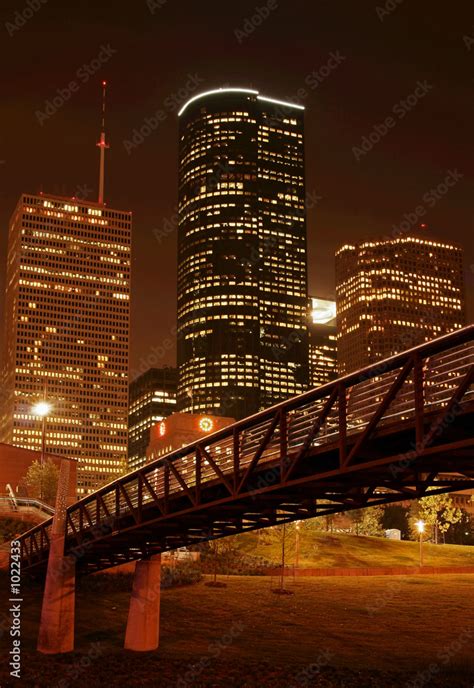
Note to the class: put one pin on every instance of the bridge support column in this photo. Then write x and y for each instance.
(143, 624)
(56, 634)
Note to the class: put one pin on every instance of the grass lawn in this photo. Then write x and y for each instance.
(345, 632)
(326, 550)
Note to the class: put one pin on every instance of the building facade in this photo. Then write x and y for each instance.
(152, 398)
(322, 342)
(14, 465)
(66, 334)
(242, 273)
(393, 294)
(181, 429)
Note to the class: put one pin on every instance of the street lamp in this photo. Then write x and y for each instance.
(297, 544)
(420, 525)
(42, 409)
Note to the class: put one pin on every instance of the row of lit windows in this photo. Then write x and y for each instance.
(50, 202)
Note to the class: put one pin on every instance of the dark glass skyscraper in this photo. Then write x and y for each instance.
(152, 398)
(242, 270)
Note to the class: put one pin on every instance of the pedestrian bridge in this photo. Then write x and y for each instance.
(397, 430)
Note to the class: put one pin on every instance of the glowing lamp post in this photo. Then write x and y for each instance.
(42, 409)
(297, 544)
(420, 526)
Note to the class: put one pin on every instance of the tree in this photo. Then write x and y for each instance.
(285, 536)
(325, 521)
(372, 520)
(438, 512)
(42, 481)
(368, 521)
(356, 517)
(462, 532)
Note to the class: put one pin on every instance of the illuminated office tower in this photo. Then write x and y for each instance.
(242, 283)
(152, 398)
(393, 294)
(66, 333)
(322, 342)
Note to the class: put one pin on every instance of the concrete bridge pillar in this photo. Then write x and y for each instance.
(143, 624)
(56, 634)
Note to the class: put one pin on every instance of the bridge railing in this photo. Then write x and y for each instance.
(403, 388)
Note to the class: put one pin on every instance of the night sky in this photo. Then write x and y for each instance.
(358, 65)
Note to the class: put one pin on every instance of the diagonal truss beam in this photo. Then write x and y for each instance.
(379, 413)
(204, 453)
(326, 410)
(259, 452)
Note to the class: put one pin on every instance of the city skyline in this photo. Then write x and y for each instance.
(351, 200)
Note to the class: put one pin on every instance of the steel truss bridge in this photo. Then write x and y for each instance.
(397, 430)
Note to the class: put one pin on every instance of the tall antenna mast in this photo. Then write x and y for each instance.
(102, 145)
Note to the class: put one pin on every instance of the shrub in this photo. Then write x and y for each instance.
(181, 574)
(229, 560)
(11, 527)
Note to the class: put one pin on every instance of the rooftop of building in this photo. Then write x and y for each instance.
(247, 91)
(420, 236)
(153, 374)
(70, 199)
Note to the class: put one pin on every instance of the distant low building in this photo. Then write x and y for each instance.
(322, 342)
(181, 429)
(152, 398)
